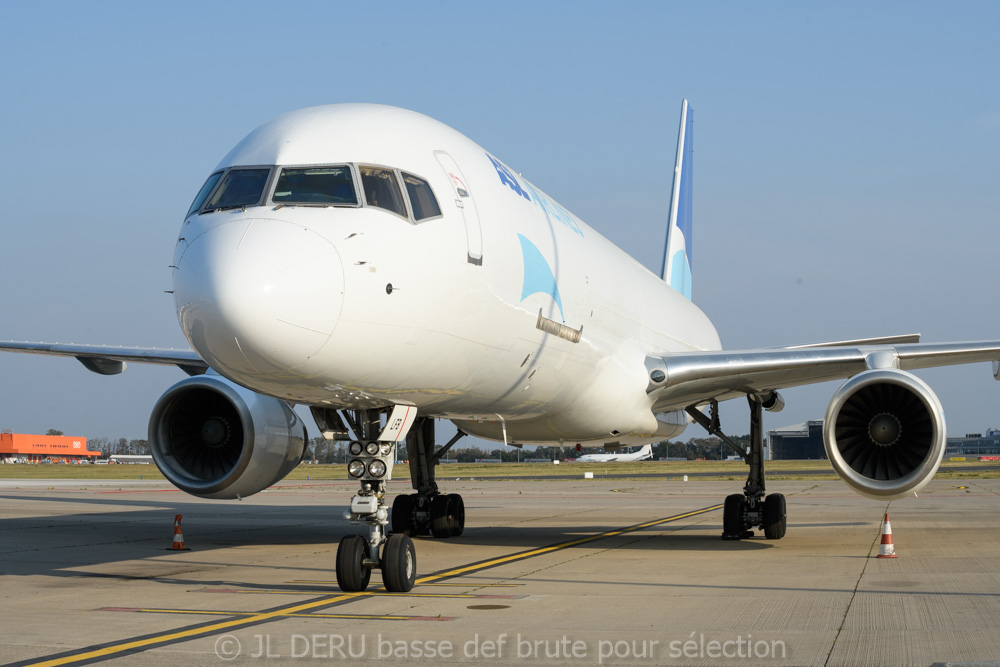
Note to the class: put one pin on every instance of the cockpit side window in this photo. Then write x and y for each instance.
(204, 192)
(382, 189)
(422, 199)
(324, 186)
(240, 187)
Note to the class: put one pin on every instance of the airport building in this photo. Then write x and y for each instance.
(805, 441)
(25, 448)
(800, 441)
(974, 445)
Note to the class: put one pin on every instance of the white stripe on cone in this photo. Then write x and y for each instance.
(178, 543)
(886, 549)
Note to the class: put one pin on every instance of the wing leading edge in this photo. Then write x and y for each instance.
(696, 377)
(110, 360)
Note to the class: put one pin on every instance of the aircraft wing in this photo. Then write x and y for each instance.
(695, 377)
(110, 360)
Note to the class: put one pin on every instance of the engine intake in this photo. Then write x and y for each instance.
(884, 433)
(215, 439)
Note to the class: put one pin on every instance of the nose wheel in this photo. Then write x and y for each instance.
(357, 557)
(352, 573)
(399, 563)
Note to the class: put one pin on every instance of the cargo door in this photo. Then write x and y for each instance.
(463, 200)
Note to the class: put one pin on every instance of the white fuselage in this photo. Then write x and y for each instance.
(355, 307)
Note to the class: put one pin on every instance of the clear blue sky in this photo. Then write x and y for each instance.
(847, 160)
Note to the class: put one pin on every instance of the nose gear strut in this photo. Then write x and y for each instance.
(427, 510)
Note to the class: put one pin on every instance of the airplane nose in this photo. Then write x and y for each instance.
(258, 296)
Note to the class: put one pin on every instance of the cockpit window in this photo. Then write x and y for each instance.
(422, 199)
(327, 186)
(240, 187)
(382, 189)
(204, 192)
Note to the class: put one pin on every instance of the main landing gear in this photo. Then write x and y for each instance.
(752, 508)
(428, 511)
(370, 461)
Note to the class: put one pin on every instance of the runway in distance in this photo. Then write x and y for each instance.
(643, 454)
(386, 271)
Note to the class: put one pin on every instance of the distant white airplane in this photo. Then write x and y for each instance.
(383, 269)
(131, 458)
(643, 454)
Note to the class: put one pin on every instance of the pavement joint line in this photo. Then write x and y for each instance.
(854, 593)
(133, 645)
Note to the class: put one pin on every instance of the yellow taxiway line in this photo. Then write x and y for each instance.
(253, 618)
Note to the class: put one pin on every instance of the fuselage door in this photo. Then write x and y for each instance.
(464, 201)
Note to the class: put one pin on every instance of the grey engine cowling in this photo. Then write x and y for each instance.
(215, 439)
(884, 433)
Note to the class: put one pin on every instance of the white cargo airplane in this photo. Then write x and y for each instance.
(643, 454)
(386, 271)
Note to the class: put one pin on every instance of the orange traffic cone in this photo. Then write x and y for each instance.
(178, 544)
(886, 549)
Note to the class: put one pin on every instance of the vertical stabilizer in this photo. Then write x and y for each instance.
(676, 270)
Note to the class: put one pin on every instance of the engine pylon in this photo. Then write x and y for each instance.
(886, 549)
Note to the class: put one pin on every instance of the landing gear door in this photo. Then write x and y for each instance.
(398, 424)
(463, 201)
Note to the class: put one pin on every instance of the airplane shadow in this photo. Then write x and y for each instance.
(139, 533)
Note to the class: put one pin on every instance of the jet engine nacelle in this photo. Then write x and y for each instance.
(216, 439)
(884, 433)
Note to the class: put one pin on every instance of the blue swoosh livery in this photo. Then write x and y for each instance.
(538, 276)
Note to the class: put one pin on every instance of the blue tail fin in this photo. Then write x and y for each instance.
(676, 270)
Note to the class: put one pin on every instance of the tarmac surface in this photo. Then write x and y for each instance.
(565, 572)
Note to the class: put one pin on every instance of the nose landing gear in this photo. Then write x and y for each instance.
(423, 512)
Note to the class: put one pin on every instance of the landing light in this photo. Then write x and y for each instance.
(356, 468)
(376, 468)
